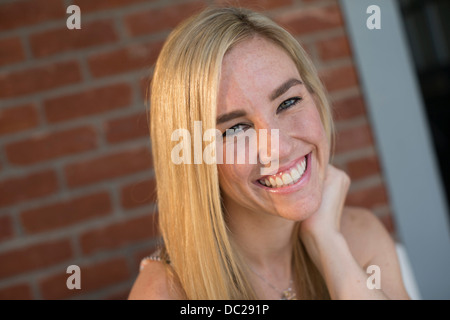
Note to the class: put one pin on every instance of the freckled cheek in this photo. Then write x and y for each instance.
(233, 177)
(308, 126)
(318, 137)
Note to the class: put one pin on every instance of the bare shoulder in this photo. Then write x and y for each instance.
(153, 283)
(372, 245)
(364, 232)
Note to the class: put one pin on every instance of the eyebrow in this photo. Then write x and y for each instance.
(275, 94)
(230, 116)
(284, 87)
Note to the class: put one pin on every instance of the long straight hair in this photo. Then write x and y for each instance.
(204, 261)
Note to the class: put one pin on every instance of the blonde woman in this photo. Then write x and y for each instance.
(232, 230)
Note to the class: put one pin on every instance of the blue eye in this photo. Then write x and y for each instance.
(235, 130)
(288, 103)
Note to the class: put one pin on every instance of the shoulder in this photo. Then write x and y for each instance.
(153, 282)
(357, 221)
(363, 232)
(372, 245)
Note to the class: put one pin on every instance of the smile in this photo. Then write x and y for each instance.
(286, 177)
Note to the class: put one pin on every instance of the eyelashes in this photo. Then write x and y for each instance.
(286, 104)
(235, 129)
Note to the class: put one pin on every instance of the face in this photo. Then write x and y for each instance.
(261, 89)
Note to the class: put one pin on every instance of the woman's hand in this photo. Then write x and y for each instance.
(327, 218)
(329, 250)
(324, 225)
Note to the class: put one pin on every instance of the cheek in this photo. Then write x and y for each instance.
(235, 184)
(225, 174)
(320, 139)
(232, 176)
(313, 121)
(307, 126)
(235, 164)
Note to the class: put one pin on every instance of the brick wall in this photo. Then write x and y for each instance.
(76, 178)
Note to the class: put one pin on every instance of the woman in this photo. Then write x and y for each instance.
(229, 230)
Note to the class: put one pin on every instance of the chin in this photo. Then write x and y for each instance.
(299, 211)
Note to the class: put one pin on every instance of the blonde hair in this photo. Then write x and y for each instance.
(184, 89)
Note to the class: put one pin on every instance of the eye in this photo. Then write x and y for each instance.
(235, 129)
(288, 103)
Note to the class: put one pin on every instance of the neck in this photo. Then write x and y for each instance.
(264, 240)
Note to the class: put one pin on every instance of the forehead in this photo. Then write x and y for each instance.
(257, 52)
(253, 65)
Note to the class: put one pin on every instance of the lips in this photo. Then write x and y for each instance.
(286, 177)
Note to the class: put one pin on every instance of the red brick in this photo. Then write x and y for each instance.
(108, 167)
(309, 20)
(34, 257)
(144, 85)
(354, 138)
(368, 197)
(62, 39)
(47, 146)
(89, 102)
(23, 188)
(6, 228)
(138, 194)
(364, 167)
(11, 51)
(119, 234)
(333, 48)
(121, 295)
(127, 128)
(349, 108)
(92, 277)
(36, 79)
(258, 5)
(16, 292)
(89, 5)
(66, 213)
(18, 14)
(131, 58)
(18, 118)
(161, 18)
(339, 78)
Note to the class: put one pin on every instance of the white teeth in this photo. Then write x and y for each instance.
(272, 182)
(287, 178)
(295, 175)
(279, 182)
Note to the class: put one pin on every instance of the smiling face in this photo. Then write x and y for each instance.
(261, 89)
